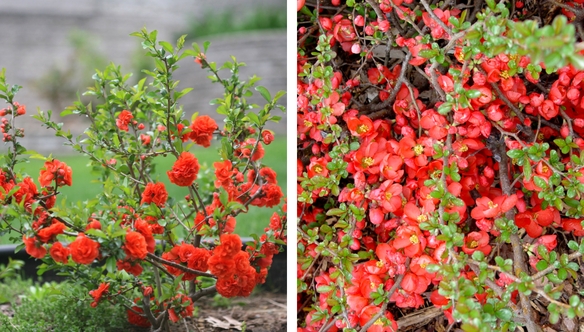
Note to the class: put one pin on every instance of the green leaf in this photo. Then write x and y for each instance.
(504, 314)
(265, 93)
(167, 46)
(541, 265)
(515, 153)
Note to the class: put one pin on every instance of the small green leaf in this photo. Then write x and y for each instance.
(265, 93)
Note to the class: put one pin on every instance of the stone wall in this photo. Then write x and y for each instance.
(34, 37)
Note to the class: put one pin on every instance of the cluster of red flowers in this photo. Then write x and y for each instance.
(57, 171)
(124, 119)
(5, 125)
(98, 293)
(194, 258)
(231, 265)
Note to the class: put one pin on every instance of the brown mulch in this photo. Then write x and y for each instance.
(262, 312)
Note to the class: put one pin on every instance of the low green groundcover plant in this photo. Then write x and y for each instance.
(57, 307)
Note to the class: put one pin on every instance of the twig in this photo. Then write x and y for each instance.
(394, 91)
(381, 311)
(180, 267)
(519, 265)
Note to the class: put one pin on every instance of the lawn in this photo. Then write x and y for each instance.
(86, 186)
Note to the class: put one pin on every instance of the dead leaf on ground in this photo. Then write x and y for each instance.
(229, 323)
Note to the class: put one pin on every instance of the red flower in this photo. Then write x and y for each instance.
(437, 299)
(221, 267)
(59, 253)
(360, 127)
(230, 245)
(549, 241)
(93, 224)
(548, 109)
(130, 266)
(490, 209)
(155, 193)
(202, 130)
(137, 319)
(98, 293)
(378, 326)
(227, 286)
(476, 241)
(569, 224)
(267, 136)
(135, 246)
(345, 33)
(436, 29)
(84, 250)
(49, 233)
(410, 239)
(33, 247)
(413, 283)
(317, 167)
(526, 221)
(185, 170)
(145, 139)
(272, 196)
(144, 228)
(124, 119)
(388, 196)
(55, 170)
(198, 259)
(223, 172)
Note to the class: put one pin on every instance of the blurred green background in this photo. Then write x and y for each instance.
(86, 186)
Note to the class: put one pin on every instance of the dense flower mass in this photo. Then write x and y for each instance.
(124, 119)
(440, 170)
(56, 171)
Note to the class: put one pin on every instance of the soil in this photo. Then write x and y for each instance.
(260, 313)
(263, 312)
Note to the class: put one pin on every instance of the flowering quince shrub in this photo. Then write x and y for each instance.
(133, 244)
(440, 161)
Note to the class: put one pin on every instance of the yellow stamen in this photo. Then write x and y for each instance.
(367, 161)
(418, 149)
(414, 239)
(362, 129)
(492, 205)
(317, 168)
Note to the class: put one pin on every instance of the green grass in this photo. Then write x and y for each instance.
(86, 186)
(57, 307)
(230, 21)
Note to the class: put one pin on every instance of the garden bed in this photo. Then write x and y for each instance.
(260, 312)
